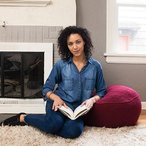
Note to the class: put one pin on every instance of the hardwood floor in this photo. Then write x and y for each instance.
(142, 118)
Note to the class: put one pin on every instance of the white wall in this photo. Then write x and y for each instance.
(58, 13)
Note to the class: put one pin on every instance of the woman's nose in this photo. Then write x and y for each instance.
(74, 45)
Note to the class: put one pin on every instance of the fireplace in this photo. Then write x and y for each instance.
(21, 74)
(24, 67)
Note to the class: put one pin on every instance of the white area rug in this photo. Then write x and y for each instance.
(92, 136)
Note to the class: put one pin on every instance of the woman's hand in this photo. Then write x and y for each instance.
(57, 100)
(89, 102)
(57, 103)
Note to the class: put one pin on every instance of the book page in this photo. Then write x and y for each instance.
(80, 110)
(66, 111)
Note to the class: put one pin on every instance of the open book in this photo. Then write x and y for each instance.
(79, 111)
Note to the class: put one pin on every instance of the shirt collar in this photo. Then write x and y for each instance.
(90, 60)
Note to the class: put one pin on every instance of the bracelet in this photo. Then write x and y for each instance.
(50, 94)
(94, 100)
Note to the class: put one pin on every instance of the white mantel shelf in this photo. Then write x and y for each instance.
(24, 3)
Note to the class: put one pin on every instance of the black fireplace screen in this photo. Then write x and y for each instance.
(21, 74)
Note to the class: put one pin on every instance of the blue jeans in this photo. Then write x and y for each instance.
(55, 122)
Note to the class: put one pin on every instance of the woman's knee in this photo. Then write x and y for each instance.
(54, 121)
(72, 129)
(75, 131)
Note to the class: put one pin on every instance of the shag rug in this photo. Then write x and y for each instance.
(92, 136)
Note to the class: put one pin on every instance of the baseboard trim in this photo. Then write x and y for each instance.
(31, 108)
(144, 105)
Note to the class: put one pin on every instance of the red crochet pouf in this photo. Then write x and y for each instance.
(121, 106)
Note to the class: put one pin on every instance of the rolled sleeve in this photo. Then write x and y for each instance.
(51, 81)
(100, 83)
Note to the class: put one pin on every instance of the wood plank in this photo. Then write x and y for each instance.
(142, 118)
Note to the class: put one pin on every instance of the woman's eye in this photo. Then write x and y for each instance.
(78, 42)
(69, 44)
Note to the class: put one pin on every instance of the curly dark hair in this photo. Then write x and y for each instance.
(63, 51)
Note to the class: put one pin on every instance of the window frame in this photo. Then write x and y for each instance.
(111, 55)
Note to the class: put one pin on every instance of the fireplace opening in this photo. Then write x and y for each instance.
(21, 74)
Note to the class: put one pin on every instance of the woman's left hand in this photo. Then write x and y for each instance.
(89, 102)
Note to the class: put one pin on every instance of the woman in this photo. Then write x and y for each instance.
(71, 83)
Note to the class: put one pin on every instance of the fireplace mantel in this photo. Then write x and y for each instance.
(13, 105)
(25, 3)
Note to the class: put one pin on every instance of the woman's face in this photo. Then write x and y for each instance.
(75, 44)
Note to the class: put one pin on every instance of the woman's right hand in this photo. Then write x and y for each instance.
(57, 103)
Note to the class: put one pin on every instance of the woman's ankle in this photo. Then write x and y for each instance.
(22, 116)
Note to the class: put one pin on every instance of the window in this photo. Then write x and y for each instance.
(126, 31)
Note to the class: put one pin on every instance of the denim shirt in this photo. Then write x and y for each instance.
(75, 86)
